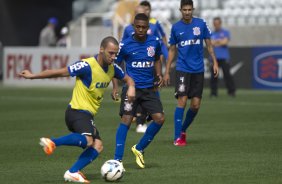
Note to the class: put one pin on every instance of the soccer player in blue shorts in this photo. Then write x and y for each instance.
(141, 53)
(93, 76)
(187, 36)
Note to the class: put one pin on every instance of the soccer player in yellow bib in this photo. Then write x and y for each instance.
(93, 76)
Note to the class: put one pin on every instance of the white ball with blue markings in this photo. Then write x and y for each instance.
(112, 170)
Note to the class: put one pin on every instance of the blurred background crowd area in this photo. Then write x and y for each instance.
(252, 22)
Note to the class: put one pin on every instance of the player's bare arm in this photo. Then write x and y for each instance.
(131, 88)
(62, 72)
(158, 68)
(164, 40)
(171, 55)
(220, 42)
(211, 52)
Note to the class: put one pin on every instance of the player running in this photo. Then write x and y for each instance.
(141, 53)
(187, 35)
(155, 29)
(93, 76)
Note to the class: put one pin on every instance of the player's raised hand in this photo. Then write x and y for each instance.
(166, 79)
(26, 74)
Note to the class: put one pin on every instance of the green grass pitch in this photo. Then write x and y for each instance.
(232, 140)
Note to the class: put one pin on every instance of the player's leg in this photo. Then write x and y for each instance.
(151, 102)
(191, 113)
(181, 88)
(88, 155)
(127, 110)
(73, 120)
(228, 79)
(141, 120)
(195, 93)
(85, 127)
(152, 130)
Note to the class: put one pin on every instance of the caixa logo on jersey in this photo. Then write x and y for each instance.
(268, 70)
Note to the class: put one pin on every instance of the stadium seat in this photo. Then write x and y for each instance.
(262, 21)
(251, 20)
(272, 20)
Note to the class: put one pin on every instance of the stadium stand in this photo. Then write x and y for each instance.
(246, 13)
(253, 18)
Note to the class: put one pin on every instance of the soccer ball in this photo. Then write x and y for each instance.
(112, 170)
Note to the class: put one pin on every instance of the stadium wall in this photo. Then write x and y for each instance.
(37, 59)
(251, 67)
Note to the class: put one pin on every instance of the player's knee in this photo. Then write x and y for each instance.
(181, 102)
(98, 145)
(127, 119)
(89, 140)
(159, 118)
(195, 107)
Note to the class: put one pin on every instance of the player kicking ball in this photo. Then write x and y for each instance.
(92, 78)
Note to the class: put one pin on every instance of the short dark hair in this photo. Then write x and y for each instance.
(107, 40)
(141, 16)
(186, 2)
(145, 3)
(217, 18)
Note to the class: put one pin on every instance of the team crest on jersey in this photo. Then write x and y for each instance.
(181, 88)
(196, 31)
(151, 51)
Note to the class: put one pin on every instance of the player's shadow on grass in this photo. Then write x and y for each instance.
(97, 177)
(190, 141)
(133, 166)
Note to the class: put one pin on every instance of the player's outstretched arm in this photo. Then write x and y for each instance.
(62, 72)
(131, 88)
(171, 55)
(211, 52)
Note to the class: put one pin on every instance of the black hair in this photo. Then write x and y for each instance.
(186, 2)
(217, 18)
(141, 16)
(107, 40)
(145, 3)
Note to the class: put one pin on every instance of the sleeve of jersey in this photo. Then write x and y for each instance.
(79, 68)
(207, 31)
(120, 54)
(119, 73)
(159, 47)
(172, 38)
(160, 28)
